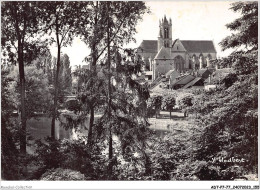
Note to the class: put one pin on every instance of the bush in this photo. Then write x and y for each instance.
(154, 105)
(70, 154)
(184, 101)
(60, 174)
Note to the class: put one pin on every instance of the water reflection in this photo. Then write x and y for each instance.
(40, 127)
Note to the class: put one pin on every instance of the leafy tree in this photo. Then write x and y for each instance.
(59, 18)
(245, 27)
(168, 103)
(46, 62)
(126, 115)
(112, 26)
(155, 103)
(229, 114)
(21, 45)
(121, 29)
(9, 151)
(65, 75)
(38, 95)
(94, 38)
(184, 101)
(58, 155)
(90, 96)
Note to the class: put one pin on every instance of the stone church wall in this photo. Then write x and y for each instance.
(183, 55)
(162, 66)
(204, 60)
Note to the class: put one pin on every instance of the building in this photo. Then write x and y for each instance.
(165, 54)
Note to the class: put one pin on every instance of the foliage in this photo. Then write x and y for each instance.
(19, 27)
(65, 77)
(46, 62)
(113, 25)
(228, 115)
(38, 97)
(59, 18)
(126, 113)
(168, 103)
(185, 101)
(232, 114)
(9, 152)
(245, 28)
(60, 174)
(154, 105)
(70, 154)
(20, 43)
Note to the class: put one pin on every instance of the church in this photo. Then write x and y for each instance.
(165, 54)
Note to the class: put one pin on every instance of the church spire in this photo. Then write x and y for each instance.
(165, 33)
(165, 19)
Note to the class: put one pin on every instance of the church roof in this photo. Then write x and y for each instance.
(149, 46)
(198, 46)
(163, 54)
(193, 46)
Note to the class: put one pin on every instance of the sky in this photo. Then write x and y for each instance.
(191, 20)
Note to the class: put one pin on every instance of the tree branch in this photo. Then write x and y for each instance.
(111, 39)
(64, 36)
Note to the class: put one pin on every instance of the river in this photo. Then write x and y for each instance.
(40, 127)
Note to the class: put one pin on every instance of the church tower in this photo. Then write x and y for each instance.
(165, 33)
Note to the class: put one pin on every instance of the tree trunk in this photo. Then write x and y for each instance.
(93, 69)
(110, 145)
(56, 87)
(110, 155)
(157, 113)
(22, 92)
(90, 129)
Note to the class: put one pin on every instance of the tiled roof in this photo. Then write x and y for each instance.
(204, 73)
(163, 81)
(184, 80)
(198, 46)
(191, 83)
(224, 70)
(169, 72)
(194, 46)
(155, 82)
(149, 46)
(218, 75)
(163, 54)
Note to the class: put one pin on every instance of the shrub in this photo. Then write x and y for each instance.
(60, 174)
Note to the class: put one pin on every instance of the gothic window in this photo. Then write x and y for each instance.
(179, 63)
(166, 33)
(166, 44)
(190, 64)
(194, 58)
